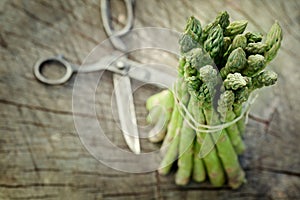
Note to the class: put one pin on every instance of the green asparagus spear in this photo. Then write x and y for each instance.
(154, 114)
(238, 84)
(235, 63)
(222, 19)
(164, 98)
(234, 81)
(255, 64)
(198, 167)
(159, 103)
(273, 41)
(193, 28)
(238, 41)
(160, 106)
(235, 28)
(253, 37)
(226, 152)
(191, 36)
(264, 78)
(226, 44)
(158, 132)
(195, 59)
(241, 96)
(207, 152)
(172, 151)
(255, 48)
(172, 138)
(214, 42)
(227, 115)
(185, 160)
(192, 77)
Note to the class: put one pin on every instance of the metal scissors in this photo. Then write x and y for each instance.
(123, 69)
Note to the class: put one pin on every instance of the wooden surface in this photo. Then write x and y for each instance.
(41, 156)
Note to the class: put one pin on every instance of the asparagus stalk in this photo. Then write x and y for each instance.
(153, 115)
(171, 154)
(158, 104)
(198, 164)
(256, 64)
(263, 79)
(239, 85)
(172, 139)
(193, 61)
(226, 112)
(226, 44)
(185, 160)
(172, 126)
(188, 41)
(161, 106)
(213, 165)
(236, 63)
(236, 82)
(157, 134)
(241, 96)
(226, 152)
(209, 155)
(181, 94)
(164, 98)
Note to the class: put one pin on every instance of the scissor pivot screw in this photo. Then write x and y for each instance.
(120, 65)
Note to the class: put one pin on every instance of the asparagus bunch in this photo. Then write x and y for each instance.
(212, 99)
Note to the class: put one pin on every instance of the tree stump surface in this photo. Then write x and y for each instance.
(41, 155)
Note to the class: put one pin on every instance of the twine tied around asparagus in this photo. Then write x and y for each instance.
(188, 117)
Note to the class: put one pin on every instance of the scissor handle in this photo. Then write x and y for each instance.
(59, 60)
(113, 34)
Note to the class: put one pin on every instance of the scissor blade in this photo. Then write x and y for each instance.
(126, 111)
(162, 76)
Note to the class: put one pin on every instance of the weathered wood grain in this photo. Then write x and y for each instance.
(41, 156)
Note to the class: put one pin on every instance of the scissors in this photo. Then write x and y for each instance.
(123, 69)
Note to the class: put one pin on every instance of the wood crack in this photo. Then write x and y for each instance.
(37, 169)
(158, 191)
(3, 43)
(32, 16)
(100, 174)
(31, 185)
(273, 170)
(258, 119)
(32, 107)
(36, 197)
(127, 194)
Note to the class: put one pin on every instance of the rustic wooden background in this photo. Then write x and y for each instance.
(41, 156)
